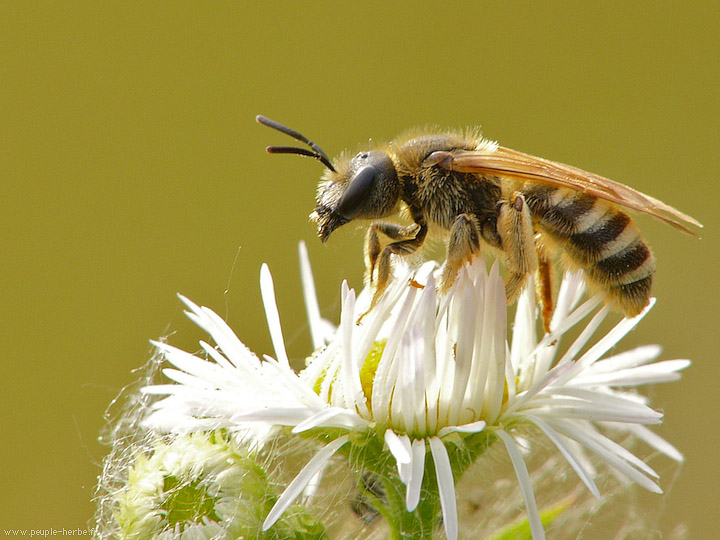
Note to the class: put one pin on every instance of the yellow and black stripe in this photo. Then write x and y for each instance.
(598, 237)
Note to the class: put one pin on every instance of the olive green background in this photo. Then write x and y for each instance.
(132, 169)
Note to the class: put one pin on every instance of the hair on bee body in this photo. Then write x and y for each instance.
(478, 194)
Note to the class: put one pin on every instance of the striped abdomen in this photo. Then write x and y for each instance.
(598, 237)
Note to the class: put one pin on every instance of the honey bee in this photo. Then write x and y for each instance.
(477, 194)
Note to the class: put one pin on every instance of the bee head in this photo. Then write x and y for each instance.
(366, 187)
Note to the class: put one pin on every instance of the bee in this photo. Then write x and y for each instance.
(477, 193)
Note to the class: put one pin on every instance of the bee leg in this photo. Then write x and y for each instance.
(373, 247)
(407, 241)
(518, 240)
(463, 244)
(372, 252)
(545, 284)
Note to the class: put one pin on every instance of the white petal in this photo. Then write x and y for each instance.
(578, 314)
(159, 389)
(316, 464)
(219, 358)
(524, 334)
(408, 388)
(312, 487)
(655, 441)
(446, 487)
(587, 332)
(188, 363)
(352, 386)
(628, 359)
(482, 346)
(571, 290)
(267, 290)
(340, 418)
(347, 314)
(317, 327)
(386, 372)
(235, 351)
(524, 397)
(613, 453)
(658, 372)
(377, 321)
(324, 368)
(399, 446)
(569, 402)
(472, 427)
(565, 411)
(526, 488)
(417, 470)
(186, 379)
(496, 321)
(464, 315)
(565, 449)
(417, 355)
(546, 351)
(427, 306)
(279, 416)
(563, 319)
(612, 338)
(286, 384)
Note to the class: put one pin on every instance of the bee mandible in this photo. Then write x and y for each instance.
(477, 193)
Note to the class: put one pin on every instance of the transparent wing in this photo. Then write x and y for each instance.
(504, 162)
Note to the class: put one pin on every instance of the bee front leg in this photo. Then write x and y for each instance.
(518, 241)
(373, 247)
(377, 259)
(463, 244)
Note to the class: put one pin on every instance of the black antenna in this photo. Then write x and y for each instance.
(317, 154)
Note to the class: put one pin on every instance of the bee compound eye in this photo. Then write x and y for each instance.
(357, 192)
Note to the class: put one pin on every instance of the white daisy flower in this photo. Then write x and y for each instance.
(427, 373)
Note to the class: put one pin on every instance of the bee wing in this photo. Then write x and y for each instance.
(504, 162)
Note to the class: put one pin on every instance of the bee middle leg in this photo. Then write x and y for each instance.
(464, 243)
(517, 233)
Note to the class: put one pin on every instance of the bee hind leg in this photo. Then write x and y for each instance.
(545, 288)
(516, 231)
(463, 244)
